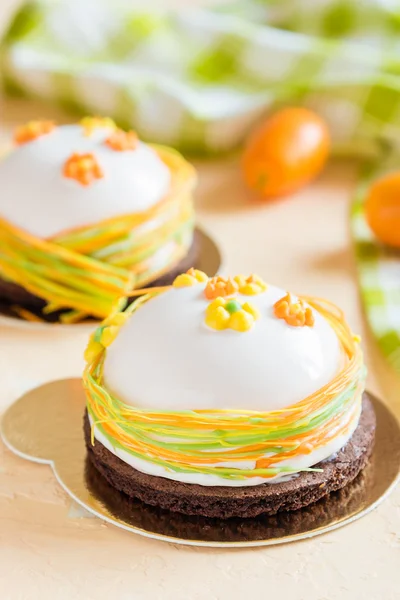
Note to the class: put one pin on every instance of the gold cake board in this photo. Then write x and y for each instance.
(46, 426)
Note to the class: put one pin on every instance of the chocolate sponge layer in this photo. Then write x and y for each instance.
(330, 508)
(224, 502)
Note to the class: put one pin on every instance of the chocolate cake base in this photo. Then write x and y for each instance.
(12, 294)
(251, 501)
(136, 513)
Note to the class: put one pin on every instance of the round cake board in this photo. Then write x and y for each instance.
(46, 426)
(209, 260)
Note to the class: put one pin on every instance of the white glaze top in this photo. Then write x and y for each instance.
(166, 357)
(37, 197)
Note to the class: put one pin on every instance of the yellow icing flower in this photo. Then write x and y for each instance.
(93, 350)
(191, 277)
(106, 333)
(116, 320)
(250, 286)
(89, 124)
(230, 314)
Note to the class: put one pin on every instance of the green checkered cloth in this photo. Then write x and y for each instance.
(198, 79)
(378, 267)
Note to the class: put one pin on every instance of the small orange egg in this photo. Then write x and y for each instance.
(382, 209)
(286, 152)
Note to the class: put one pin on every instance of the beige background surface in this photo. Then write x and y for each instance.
(48, 550)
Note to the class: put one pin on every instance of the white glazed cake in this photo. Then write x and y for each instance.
(227, 347)
(88, 213)
(37, 197)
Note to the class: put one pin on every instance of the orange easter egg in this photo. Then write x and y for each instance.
(382, 209)
(286, 152)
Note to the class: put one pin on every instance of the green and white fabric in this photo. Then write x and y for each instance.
(378, 268)
(198, 79)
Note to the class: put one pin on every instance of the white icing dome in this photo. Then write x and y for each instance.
(36, 196)
(166, 357)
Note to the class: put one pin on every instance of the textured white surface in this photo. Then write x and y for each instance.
(46, 555)
(36, 196)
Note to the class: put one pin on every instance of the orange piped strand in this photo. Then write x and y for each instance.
(121, 140)
(32, 130)
(308, 443)
(89, 124)
(295, 314)
(84, 168)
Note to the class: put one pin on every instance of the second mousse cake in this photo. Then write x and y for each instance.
(87, 213)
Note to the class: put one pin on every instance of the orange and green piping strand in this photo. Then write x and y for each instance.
(195, 441)
(83, 271)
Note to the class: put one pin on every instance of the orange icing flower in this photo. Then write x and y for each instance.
(191, 277)
(250, 286)
(220, 287)
(294, 313)
(89, 124)
(83, 168)
(121, 140)
(32, 130)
